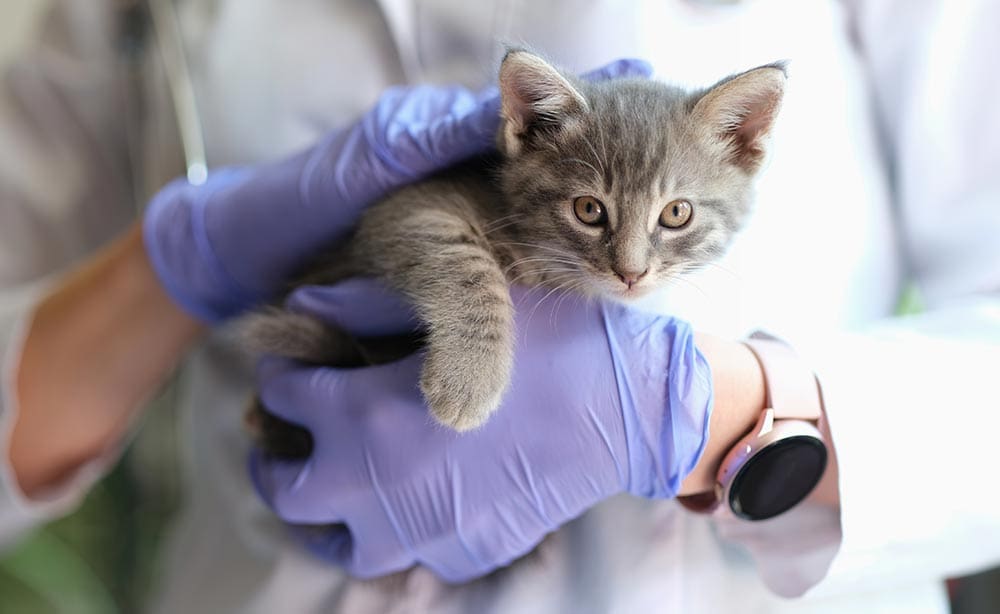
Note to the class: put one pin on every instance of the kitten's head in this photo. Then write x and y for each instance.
(622, 185)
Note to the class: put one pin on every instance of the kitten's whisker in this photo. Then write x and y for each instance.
(717, 266)
(597, 173)
(567, 283)
(670, 279)
(559, 274)
(558, 283)
(537, 303)
(597, 158)
(540, 273)
(502, 222)
(569, 290)
(529, 259)
(542, 300)
(503, 218)
(534, 246)
(555, 308)
(604, 146)
(585, 297)
(542, 261)
(555, 250)
(500, 227)
(538, 276)
(543, 258)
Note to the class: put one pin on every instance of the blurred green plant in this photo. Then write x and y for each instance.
(102, 558)
(910, 301)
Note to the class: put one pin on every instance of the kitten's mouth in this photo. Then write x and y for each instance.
(633, 292)
(621, 292)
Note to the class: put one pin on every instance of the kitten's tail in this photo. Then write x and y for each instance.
(307, 339)
(276, 437)
(300, 337)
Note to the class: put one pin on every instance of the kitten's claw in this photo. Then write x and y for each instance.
(462, 392)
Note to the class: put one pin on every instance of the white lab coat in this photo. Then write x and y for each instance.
(882, 95)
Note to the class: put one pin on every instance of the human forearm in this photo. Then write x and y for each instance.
(98, 347)
(739, 399)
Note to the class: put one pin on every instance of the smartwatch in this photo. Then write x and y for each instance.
(781, 460)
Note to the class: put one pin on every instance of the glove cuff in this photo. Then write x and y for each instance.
(665, 388)
(181, 255)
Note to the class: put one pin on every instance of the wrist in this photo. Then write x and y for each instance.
(739, 399)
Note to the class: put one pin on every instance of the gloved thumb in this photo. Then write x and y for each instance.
(286, 487)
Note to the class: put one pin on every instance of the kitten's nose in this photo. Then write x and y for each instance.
(630, 278)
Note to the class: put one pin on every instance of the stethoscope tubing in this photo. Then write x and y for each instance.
(170, 44)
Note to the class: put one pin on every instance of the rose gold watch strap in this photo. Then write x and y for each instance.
(792, 390)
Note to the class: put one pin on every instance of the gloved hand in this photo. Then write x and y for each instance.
(231, 243)
(604, 399)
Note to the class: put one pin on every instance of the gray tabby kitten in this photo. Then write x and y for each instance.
(608, 189)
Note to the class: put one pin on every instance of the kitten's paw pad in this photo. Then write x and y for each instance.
(462, 392)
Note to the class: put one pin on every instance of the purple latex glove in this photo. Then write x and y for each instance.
(604, 399)
(231, 243)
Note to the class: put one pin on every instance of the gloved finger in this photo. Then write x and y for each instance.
(361, 306)
(368, 568)
(287, 487)
(313, 397)
(290, 390)
(414, 132)
(459, 135)
(331, 542)
(369, 548)
(619, 69)
(452, 560)
(405, 136)
(376, 553)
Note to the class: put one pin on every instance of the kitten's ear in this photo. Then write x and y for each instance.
(738, 113)
(533, 94)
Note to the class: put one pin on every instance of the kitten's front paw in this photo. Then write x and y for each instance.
(462, 390)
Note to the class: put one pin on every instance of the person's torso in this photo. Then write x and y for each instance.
(272, 76)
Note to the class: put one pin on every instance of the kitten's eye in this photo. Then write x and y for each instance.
(676, 214)
(589, 210)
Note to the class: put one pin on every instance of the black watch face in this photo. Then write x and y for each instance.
(777, 477)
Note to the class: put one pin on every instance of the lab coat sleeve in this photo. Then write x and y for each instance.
(63, 192)
(914, 402)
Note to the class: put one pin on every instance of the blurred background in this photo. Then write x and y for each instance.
(17, 21)
(102, 558)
